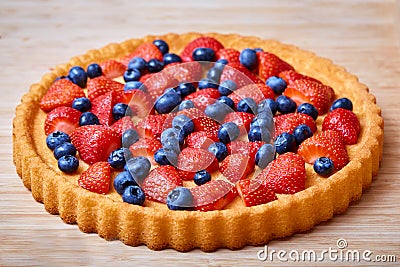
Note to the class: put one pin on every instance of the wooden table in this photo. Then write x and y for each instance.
(36, 35)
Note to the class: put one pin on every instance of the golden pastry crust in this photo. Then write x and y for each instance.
(234, 227)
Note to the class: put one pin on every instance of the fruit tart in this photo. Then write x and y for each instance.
(197, 141)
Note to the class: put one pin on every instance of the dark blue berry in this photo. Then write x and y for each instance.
(309, 109)
(184, 123)
(220, 64)
(180, 198)
(62, 77)
(82, 104)
(171, 143)
(121, 110)
(171, 58)
(68, 164)
(301, 133)
(247, 105)
(264, 155)
(137, 63)
(166, 157)
(285, 142)
(264, 120)
(131, 75)
(94, 70)
(203, 54)
(219, 150)
(344, 103)
(214, 74)
(174, 133)
(207, 83)
(228, 132)
(78, 76)
(162, 46)
(154, 65)
(116, 159)
(133, 194)
(256, 133)
(135, 85)
(186, 104)
(227, 101)
(88, 118)
(171, 90)
(139, 167)
(185, 89)
(217, 111)
(64, 149)
(285, 104)
(129, 137)
(122, 180)
(258, 49)
(248, 58)
(227, 87)
(56, 138)
(268, 105)
(323, 166)
(277, 84)
(167, 102)
(201, 177)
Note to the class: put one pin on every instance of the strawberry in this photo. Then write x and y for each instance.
(199, 139)
(258, 92)
(185, 72)
(153, 125)
(160, 182)
(271, 65)
(102, 85)
(208, 125)
(301, 91)
(286, 174)
(192, 113)
(291, 75)
(95, 142)
(214, 195)
(102, 107)
(123, 124)
(236, 167)
(145, 147)
(202, 98)
(61, 93)
(255, 192)
(64, 119)
(112, 69)
(156, 83)
(139, 101)
(96, 178)
(288, 122)
(239, 74)
(191, 160)
(203, 41)
(146, 51)
(241, 119)
(244, 148)
(345, 122)
(230, 54)
(329, 144)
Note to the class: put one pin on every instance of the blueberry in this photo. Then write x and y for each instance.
(323, 166)
(214, 74)
(68, 163)
(219, 150)
(78, 76)
(180, 198)
(247, 105)
(82, 104)
(135, 85)
(268, 105)
(264, 155)
(167, 102)
(132, 75)
(186, 104)
(173, 132)
(162, 46)
(217, 111)
(227, 87)
(56, 138)
(227, 101)
(184, 123)
(220, 64)
(166, 157)
(64, 149)
(285, 104)
(137, 63)
(344, 103)
(94, 70)
(62, 77)
(277, 84)
(203, 54)
(139, 167)
(171, 90)
(228, 132)
(88, 118)
(154, 65)
(116, 159)
(171, 58)
(285, 142)
(122, 180)
(248, 58)
(185, 89)
(309, 109)
(129, 137)
(171, 143)
(121, 110)
(201, 177)
(258, 49)
(207, 83)
(301, 133)
(133, 194)
(256, 133)
(264, 120)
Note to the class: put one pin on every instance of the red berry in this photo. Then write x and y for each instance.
(291, 75)
(214, 195)
(345, 122)
(230, 54)
(288, 122)
(102, 107)
(202, 98)
(271, 65)
(192, 160)
(96, 178)
(255, 192)
(64, 119)
(236, 167)
(102, 85)
(203, 41)
(112, 69)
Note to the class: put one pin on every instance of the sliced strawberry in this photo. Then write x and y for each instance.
(102, 85)
(244, 148)
(288, 122)
(122, 125)
(203, 41)
(146, 51)
(239, 74)
(191, 160)
(255, 192)
(236, 167)
(291, 75)
(208, 125)
(230, 54)
(153, 125)
(145, 147)
(345, 122)
(160, 182)
(139, 101)
(286, 174)
(202, 98)
(258, 92)
(95, 142)
(102, 107)
(185, 72)
(61, 93)
(214, 195)
(156, 83)
(271, 65)
(112, 69)
(96, 178)
(64, 119)
(329, 144)
(241, 119)
(192, 113)
(306, 91)
(199, 139)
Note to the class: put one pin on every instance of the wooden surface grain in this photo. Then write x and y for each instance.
(362, 36)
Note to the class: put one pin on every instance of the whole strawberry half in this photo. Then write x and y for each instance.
(307, 91)
(122, 125)
(329, 144)
(258, 92)
(102, 107)
(61, 93)
(286, 174)
(192, 113)
(191, 160)
(203, 41)
(153, 125)
(95, 142)
(96, 178)
(345, 122)
(160, 182)
(145, 147)
(146, 51)
(185, 72)
(288, 122)
(291, 75)
(102, 85)
(156, 83)
(271, 65)
(230, 54)
(244, 148)
(64, 119)
(140, 102)
(202, 98)
(241, 119)
(236, 167)
(239, 74)
(207, 125)
(200, 139)
(214, 195)
(255, 192)
(112, 69)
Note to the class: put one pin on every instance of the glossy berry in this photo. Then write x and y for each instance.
(227, 101)
(344, 103)
(180, 198)
(207, 83)
(133, 194)
(201, 177)
(94, 70)
(139, 167)
(184, 123)
(277, 84)
(118, 156)
(228, 132)
(185, 89)
(219, 150)
(220, 64)
(264, 120)
(137, 63)
(165, 156)
(64, 149)
(214, 74)
(248, 58)
(129, 137)
(301, 133)
(217, 111)
(162, 46)
(122, 180)
(264, 155)
(285, 142)
(56, 138)
(78, 76)
(68, 164)
(309, 109)
(171, 143)
(323, 166)
(154, 65)
(203, 54)
(82, 104)
(171, 90)
(171, 58)
(174, 133)
(247, 105)
(132, 75)
(88, 118)
(227, 87)
(285, 104)
(268, 105)
(257, 133)
(135, 85)
(186, 104)
(121, 110)
(167, 102)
